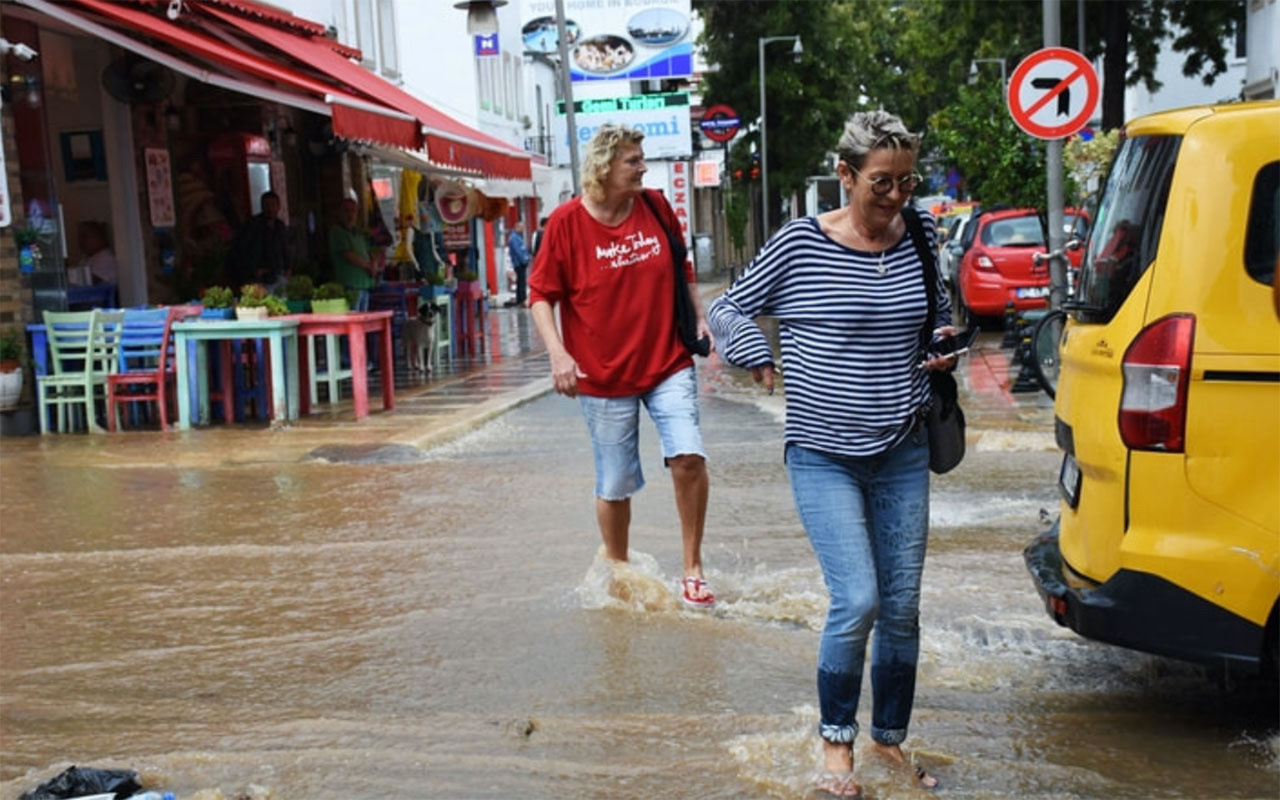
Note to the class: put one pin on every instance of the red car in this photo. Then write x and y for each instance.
(999, 266)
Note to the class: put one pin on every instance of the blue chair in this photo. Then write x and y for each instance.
(394, 298)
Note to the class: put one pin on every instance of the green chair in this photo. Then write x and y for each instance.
(83, 351)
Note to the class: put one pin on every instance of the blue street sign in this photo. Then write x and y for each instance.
(487, 45)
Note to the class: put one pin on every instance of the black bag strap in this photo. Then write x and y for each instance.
(678, 251)
(916, 230)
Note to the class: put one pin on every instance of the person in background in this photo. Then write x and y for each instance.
(605, 262)
(95, 250)
(847, 288)
(537, 237)
(353, 266)
(264, 245)
(520, 264)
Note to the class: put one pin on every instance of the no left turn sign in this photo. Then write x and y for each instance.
(1053, 93)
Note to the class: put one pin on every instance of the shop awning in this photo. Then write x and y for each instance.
(353, 116)
(447, 141)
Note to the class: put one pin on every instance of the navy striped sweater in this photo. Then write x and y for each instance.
(850, 335)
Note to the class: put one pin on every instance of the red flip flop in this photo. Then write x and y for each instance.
(691, 587)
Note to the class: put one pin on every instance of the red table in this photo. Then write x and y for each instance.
(354, 325)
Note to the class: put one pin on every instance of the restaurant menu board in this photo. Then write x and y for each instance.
(621, 40)
(457, 237)
(159, 187)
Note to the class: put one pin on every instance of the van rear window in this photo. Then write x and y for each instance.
(1127, 232)
(1262, 241)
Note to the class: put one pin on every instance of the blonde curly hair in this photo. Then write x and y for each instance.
(601, 151)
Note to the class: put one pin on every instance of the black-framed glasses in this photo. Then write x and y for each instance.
(884, 184)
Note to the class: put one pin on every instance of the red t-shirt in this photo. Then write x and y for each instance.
(616, 290)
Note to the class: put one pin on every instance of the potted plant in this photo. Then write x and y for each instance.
(468, 283)
(434, 285)
(330, 298)
(277, 306)
(253, 302)
(298, 291)
(10, 368)
(217, 302)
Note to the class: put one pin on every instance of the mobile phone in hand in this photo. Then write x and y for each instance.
(954, 345)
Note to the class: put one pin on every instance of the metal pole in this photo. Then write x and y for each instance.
(566, 90)
(1053, 166)
(764, 153)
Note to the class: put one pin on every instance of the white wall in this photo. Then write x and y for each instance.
(1262, 72)
(1179, 91)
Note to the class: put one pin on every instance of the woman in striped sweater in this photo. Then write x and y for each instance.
(847, 288)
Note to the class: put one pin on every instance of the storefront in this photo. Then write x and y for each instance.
(162, 131)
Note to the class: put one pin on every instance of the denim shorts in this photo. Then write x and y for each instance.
(614, 425)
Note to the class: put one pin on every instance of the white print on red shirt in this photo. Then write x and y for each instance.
(631, 249)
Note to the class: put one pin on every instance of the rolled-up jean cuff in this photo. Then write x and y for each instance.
(889, 736)
(842, 734)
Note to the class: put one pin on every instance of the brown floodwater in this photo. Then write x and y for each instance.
(437, 624)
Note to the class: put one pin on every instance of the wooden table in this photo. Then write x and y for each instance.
(281, 334)
(354, 325)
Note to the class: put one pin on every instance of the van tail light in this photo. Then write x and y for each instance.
(983, 261)
(1157, 370)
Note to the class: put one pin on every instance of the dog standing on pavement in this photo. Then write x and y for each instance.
(420, 338)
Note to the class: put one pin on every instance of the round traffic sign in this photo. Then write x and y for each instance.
(1053, 93)
(720, 123)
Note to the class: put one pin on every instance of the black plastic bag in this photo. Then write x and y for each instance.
(80, 781)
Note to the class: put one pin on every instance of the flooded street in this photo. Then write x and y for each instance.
(435, 624)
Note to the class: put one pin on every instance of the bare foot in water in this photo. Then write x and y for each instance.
(836, 778)
(894, 754)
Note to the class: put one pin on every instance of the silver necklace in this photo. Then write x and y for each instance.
(881, 267)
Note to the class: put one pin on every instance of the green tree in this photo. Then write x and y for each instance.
(1011, 173)
(805, 102)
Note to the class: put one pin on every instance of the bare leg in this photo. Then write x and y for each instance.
(689, 476)
(614, 519)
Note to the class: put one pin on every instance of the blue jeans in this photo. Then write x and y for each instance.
(614, 424)
(868, 522)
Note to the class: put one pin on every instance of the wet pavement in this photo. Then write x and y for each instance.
(413, 606)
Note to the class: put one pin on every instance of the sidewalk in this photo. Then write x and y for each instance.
(514, 369)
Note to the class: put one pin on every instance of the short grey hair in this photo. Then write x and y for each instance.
(874, 130)
(601, 151)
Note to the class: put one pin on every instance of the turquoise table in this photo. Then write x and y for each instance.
(281, 334)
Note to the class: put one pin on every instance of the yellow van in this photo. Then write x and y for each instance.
(1167, 405)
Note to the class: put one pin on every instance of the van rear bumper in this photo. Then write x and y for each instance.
(1143, 612)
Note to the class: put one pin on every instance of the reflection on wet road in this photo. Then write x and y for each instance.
(412, 624)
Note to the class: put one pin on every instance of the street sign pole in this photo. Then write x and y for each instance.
(566, 89)
(1053, 166)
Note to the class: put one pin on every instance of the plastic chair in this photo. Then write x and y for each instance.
(83, 350)
(146, 367)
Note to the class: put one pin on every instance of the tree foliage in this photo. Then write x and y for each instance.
(914, 58)
(1011, 173)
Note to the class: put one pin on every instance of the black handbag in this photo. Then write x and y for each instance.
(686, 316)
(944, 419)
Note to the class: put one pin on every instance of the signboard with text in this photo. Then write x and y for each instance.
(678, 193)
(611, 40)
(664, 118)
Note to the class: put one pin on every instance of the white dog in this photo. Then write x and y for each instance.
(420, 338)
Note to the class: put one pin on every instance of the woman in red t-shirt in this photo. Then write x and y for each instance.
(605, 261)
